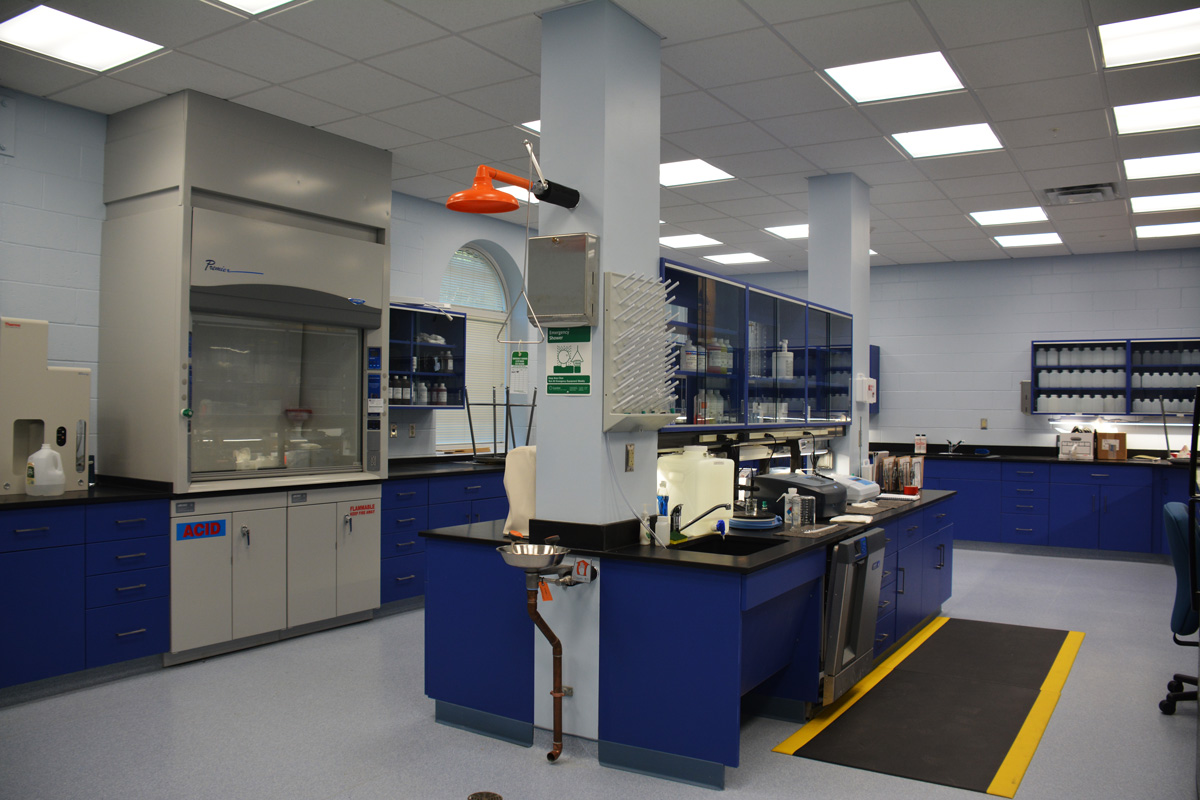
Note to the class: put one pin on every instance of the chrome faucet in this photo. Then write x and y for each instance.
(677, 513)
(952, 446)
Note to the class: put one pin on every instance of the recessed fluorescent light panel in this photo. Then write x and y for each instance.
(74, 40)
(1177, 229)
(688, 240)
(1165, 202)
(909, 76)
(1009, 216)
(1162, 166)
(789, 231)
(948, 141)
(522, 194)
(736, 258)
(1138, 41)
(533, 126)
(1028, 240)
(686, 173)
(255, 6)
(1162, 115)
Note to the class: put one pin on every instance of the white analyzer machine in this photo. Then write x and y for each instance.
(858, 490)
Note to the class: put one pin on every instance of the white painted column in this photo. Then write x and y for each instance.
(600, 134)
(839, 275)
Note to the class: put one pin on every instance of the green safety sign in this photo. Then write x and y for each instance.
(520, 358)
(569, 360)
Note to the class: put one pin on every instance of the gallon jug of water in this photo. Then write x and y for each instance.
(44, 473)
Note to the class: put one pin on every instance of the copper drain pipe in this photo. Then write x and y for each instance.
(557, 691)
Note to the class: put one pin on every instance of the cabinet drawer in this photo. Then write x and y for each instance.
(403, 520)
(130, 630)
(1022, 529)
(453, 488)
(112, 521)
(1032, 473)
(910, 529)
(405, 493)
(446, 515)
(1026, 490)
(1099, 472)
(891, 539)
(887, 599)
(127, 554)
(127, 587)
(934, 519)
(889, 569)
(41, 527)
(1025, 505)
(885, 633)
(402, 577)
(400, 544)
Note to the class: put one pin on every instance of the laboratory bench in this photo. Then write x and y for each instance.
(685, 641)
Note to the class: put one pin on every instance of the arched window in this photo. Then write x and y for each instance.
(472, 284)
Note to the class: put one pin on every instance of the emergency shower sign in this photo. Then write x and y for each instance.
(569, 360)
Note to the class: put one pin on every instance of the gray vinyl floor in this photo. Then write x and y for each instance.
(341, 714)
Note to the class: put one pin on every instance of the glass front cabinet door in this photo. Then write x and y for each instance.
(427, 357)
(829, 365)
(707, 323)
(775, 352)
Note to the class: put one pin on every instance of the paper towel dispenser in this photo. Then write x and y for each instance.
(563, 275)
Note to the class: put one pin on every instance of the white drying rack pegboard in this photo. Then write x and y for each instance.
(639, 379)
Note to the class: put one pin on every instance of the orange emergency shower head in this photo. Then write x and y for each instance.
(483, 197)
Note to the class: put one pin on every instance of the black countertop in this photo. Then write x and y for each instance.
(398, 468)
(100, 493)
(493, 533)
(1131, 462)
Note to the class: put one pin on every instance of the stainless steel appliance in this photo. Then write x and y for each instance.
(851, 606)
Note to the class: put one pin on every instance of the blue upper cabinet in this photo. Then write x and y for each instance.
(749, 356)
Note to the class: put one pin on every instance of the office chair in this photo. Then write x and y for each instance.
(1183, 619)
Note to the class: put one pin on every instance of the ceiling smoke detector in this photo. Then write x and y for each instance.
(1074, 195)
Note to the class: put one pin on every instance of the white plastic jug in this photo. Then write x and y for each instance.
(698, 482)
(44, 473)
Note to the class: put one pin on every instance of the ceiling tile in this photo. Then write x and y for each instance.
(981, 185)
(462, 15)
(685, 112)
(904, 171)
(448, 65)
(1064, 155)
(1106, 11)
(778, 97)
(1054, 129)
(1150, 82)
(1037, 252)
(957, 235)
(724, 140)
(105, 95)
(967, 165)
(688, 213)
(671, 82)
(360, 88)
(906, 192)
(798, 201)
(373, 132)
(917, 208)
(942, 223)
(498, 144)
(703, 18)
(1040, 98)
(174, 71)
(1105, 208)
(854, 37)
(264, 52)
(1159, 143)
(898, 237)
(996, 201)
(35, 75)
(834, 155)
(294, 106)
(960, 24)
(1072, 176)
(924, 113)
(441, 117)
(374, 28)
(776, 11)
(518, 40)
(434, 157)
(721, 190)
(777, 219)
(763, 163)
(428, 186)
(787, 183)
(751, 205)
(186, 21)
(818, 127)
(1052, 55)
(719, 225)
(1112, 223)
(515, 102)
(733, 58)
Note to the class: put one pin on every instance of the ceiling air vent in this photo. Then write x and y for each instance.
(1073, 195)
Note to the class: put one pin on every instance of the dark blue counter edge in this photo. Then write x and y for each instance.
(656, 764)
(505, 729)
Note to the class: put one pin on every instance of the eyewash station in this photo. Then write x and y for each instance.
(678, 550)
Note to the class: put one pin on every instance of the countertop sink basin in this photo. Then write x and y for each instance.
(729, 545)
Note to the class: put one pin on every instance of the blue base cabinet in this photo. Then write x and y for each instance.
(1102, 506)
(978, 498)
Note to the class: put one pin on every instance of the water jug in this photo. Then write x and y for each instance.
(44, 473)
(697, 482)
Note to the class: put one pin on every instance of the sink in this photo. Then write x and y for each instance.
(728, 546)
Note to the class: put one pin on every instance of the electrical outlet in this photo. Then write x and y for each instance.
(412, 431)
(983, 424)
(393, 431)
(629, 457)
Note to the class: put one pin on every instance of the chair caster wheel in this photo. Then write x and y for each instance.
(1174, 686)
(1167, 706)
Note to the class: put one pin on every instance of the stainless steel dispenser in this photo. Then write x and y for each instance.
(563, 279)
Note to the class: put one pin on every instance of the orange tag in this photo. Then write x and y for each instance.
(545, 591)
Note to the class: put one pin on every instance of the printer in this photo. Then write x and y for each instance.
(831, 495)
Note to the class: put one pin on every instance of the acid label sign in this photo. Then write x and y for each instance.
(199, 529)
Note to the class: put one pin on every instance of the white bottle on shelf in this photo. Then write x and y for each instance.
(422, 394)
(1052, 358)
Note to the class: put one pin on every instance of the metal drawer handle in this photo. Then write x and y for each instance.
(1021, 506)
(132, 555)
(883, 637)
(402, 521)
(885, 574)
(915, 527)
(405, 578)
(939, 516)
(1099, 475)
(129, 521)
(1024, 472)
(900, 589)
(1026, 491)
(131, 633)
(1025, 530)
(31, 530)
(405, 544)
(405, 494)
(131, 588)
(885, 603)
(349, 523)
(942, 553)
(472, 488)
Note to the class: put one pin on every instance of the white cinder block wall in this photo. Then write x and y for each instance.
(51, 208)
(954, 338)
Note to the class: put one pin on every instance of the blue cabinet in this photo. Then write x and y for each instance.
(1101, 506)
(42, 617)
(924, 566)
(978, 502)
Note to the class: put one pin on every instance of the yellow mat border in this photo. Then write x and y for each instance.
(1012, 769)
